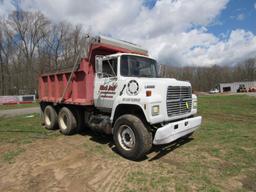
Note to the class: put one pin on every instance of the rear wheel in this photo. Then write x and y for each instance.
(67, 121)
(132, 138)
(79, 115)
(50, 118)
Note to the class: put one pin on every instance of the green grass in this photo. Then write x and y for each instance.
(221, 157)
(10, 155)
(21, 130)
(18, 106)
(148, 181)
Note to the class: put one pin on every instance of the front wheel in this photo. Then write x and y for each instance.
(132, 138)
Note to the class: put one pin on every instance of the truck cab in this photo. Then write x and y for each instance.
(128, 100)
(131, 81)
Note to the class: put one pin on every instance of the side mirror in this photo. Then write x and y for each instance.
(98, 65)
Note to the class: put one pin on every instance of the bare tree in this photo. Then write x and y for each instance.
(205, 78)
(29, 28)
(6, 53)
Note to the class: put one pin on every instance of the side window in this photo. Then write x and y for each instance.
(109, 67)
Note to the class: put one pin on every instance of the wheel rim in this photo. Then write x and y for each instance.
(47, 117)
(63, 121)
(126, 137)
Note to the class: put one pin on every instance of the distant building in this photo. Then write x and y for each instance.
(232, 87)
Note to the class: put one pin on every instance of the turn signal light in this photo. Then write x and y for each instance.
(148, 93)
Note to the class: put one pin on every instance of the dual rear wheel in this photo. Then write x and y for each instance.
(50, 118)
(67, 120)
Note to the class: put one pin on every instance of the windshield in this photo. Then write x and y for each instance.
(135, 66)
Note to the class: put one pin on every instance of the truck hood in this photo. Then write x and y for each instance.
(163, 81)
(158, 82)
(158, 86)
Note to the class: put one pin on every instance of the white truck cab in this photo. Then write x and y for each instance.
(130, 81)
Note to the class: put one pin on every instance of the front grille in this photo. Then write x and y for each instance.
(179, 100)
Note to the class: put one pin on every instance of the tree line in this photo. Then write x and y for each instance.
(206, 78)
(31, 44)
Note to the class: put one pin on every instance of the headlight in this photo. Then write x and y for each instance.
(194, 104)
(155, 110)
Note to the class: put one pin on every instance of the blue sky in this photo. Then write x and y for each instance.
(238, 14)
(176, 32)
(149, 3)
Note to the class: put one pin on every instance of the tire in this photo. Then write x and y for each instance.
(67, 121)
(132, 138)
(50, 118)
(79, 115)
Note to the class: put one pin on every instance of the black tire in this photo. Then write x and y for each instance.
(128, 128)
(50, 118)
(67, 121)
(79, 115)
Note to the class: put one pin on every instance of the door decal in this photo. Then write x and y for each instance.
(133, 87)
(108, 91)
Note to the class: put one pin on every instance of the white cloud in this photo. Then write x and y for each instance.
(175, 31)
(239, 46)
(200, 48)
(254, 5)
(167, 15)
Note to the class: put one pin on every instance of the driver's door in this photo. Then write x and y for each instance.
(105, 85)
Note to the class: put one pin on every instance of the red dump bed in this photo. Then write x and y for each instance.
(80, 89)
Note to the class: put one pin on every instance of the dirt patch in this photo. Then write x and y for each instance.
(249, 182)
(50, 165)
(88, 163)
(65, 164)
(6, 147)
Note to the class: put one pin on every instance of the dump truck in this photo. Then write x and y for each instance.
(116, 89)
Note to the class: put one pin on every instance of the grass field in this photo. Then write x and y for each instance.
(221, 156)
(18, 106)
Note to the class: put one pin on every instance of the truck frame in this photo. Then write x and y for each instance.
(116, 90)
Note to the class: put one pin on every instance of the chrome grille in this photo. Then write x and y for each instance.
(179, 100)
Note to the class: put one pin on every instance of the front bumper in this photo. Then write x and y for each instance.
(175, 130)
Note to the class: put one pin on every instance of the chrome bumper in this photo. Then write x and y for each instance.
(175, 130)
